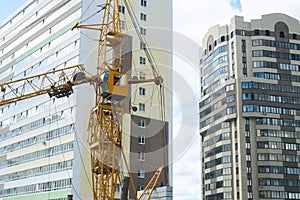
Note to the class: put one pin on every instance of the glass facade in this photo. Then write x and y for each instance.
(249, 112)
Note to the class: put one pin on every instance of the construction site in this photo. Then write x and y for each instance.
(85, 103)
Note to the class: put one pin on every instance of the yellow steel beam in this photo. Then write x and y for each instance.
(52, 82)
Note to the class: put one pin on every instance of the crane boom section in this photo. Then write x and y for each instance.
(56, 83)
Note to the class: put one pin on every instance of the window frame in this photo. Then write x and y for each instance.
(144, 3)
(142, 139)
(143, 16)
(141, 156)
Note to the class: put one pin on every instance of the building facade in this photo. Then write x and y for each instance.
(250, 109)
(43, 142)
(150, 126)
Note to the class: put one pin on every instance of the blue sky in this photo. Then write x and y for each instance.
(236, 4)
(9, 8)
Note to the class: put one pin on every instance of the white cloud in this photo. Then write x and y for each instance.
(187, 177)
(193, 17)
(255, 8)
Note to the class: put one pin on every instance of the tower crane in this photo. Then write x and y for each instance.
(111, 88)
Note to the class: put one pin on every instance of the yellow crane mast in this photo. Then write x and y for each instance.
(105, 125)
(106, 118)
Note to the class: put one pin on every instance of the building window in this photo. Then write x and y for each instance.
(222, 38)
(143, 31)
(247, 145)
(142, 76)
(227, 183)
(142, 45)
(248, 158)
(229, 87)
(140, 188)
(243, 43)
(281, 34)
(244, 54)
(256, 32)
(142, 107)
(141, 173)
(122, 24)
(232, 45)
(294, 36)
(227, 195)
(267, 32)
(142, 60)
(118, 188)
(141, 156)
(231, 34)
(243, 32)
(143, 17)
(142, 139)
(142, 123)
(142, 91)
(122, 9)
(144, 3)
(249, 171)
(250, 196)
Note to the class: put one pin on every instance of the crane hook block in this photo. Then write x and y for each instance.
(114, 84)
(61, 91)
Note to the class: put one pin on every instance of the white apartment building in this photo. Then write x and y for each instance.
(43, 148)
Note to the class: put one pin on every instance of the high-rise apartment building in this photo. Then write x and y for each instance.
(250, 109)
(44, 152)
